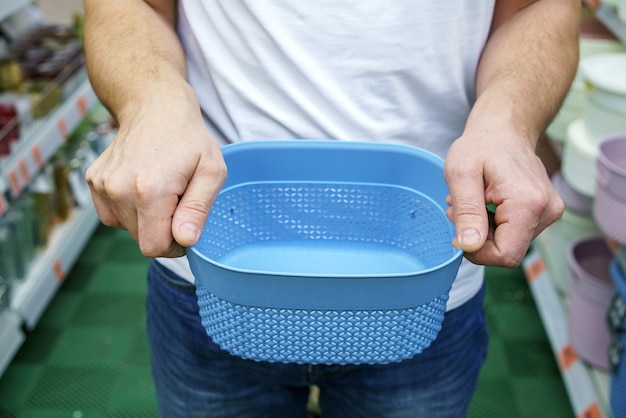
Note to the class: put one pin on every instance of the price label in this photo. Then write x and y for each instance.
(4, 205)
(567, 357)
(534, 270)
(24, 171)
(82, 106)
(14, 182)
(37, 156)
(62, 126)
(59, 273)
(592, 412)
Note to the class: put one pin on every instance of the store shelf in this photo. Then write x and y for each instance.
(31, 296)
(43, 138)
(608, 16)
(40, 139)
(587, 387)
(11, 337)
(8, 7)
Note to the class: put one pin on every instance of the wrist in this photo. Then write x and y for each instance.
(503, 120)
(155, 99)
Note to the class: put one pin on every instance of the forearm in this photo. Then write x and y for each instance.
(526, 69)
(134, 59)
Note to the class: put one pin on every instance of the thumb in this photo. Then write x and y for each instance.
(193, 209)
(468, 213)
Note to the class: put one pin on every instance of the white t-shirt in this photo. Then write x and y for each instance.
(400, 71)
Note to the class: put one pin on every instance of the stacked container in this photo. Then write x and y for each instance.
(571, 136)
(591, 236)
(609, 211)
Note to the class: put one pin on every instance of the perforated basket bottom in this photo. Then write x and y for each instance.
(281, 222)
(318, 336)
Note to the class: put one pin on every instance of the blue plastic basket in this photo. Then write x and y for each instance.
(326, 252)
(617, 351)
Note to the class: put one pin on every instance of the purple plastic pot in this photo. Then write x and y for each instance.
(591, 291)
(609, 207)
(573, 200)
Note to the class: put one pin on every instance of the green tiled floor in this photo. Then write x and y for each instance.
(88, 356)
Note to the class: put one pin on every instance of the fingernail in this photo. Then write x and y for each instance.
(469, 237)
(189, 231)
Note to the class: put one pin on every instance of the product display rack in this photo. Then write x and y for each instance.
(587, 387)
(47, 271)
(31, 295)
(43, 138)
(40, 140)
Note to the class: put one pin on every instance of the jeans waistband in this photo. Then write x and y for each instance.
(170, 278)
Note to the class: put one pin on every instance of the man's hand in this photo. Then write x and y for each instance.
(524, 72)
(504, 171)
(158, 179)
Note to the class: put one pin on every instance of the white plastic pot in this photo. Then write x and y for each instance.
(578, 164)
(605, 94)
(574, 103)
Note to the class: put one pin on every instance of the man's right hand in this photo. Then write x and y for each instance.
(158, 179)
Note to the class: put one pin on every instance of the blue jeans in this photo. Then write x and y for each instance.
(195, 378)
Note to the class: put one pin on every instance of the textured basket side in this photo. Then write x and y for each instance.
(320, 337)
(364, 213)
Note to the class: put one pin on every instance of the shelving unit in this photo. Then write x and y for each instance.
(30, 297)
(43, 138)
(46, 273)
(587, 386)
(40, 140)
(11, 337)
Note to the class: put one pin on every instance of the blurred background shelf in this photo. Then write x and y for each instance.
(43, 133)
(607, 14)
(587, 387)
(43, 138)
(31, 296)
(11, 337)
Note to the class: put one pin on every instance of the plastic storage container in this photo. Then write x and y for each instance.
(579, 159)
(609, 206)
(326, 252)
(593, 41)
(590, 297)
(605, 94)
(573, 200)
(572, 226)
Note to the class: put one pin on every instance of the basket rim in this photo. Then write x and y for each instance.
(315, 292)
(457, 253)
(330, 144)
(422, 284)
